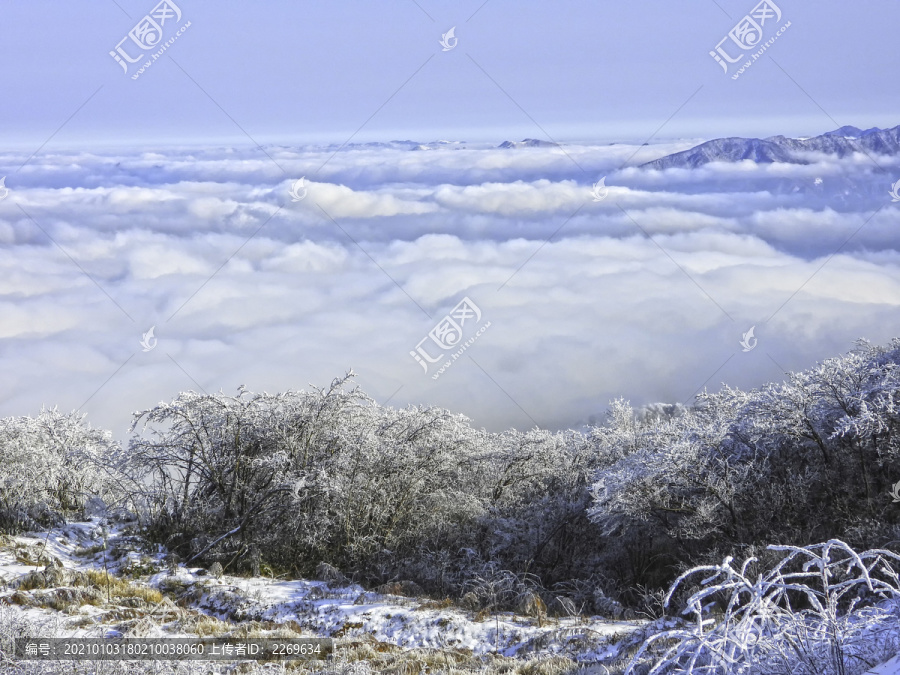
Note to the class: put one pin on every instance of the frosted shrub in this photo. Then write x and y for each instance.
(51, 465)
(821, 610)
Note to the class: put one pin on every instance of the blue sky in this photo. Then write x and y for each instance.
(310, 72)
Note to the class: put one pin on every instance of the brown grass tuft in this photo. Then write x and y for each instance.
(89, 550)
(119, 588)
(23, 599)
(446, 603)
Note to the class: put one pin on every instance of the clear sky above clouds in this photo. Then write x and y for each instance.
(313, 71)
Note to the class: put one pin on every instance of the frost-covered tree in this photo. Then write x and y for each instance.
(305, 477)
(50, 465)
(225, 472)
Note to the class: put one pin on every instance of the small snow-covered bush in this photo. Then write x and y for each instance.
(821, 610)
(52, 465)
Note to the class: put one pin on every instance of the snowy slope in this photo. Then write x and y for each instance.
(315, 608)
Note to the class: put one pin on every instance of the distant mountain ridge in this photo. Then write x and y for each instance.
(840, 142)
(527, 143)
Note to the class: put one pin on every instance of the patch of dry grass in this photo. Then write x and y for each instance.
(446, 603)
(82, 622)
(548, 665)
(89, 550)
(33, 554)
(20, 598)
(482, 615)
(143, 568)
(30, 581)
(114, 587)
(208, 626)
(70, 600)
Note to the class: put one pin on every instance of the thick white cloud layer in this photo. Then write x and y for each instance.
(645, 294)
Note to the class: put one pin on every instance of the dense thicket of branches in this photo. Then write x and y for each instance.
(300, 478)
(295, 479)
(794, 463)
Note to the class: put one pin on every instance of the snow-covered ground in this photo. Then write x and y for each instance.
(192, 598)
(57, 581)
(891, 667)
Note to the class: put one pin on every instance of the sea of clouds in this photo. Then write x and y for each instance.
(644, 294)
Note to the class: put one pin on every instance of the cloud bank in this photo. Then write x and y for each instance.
(644, 294)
